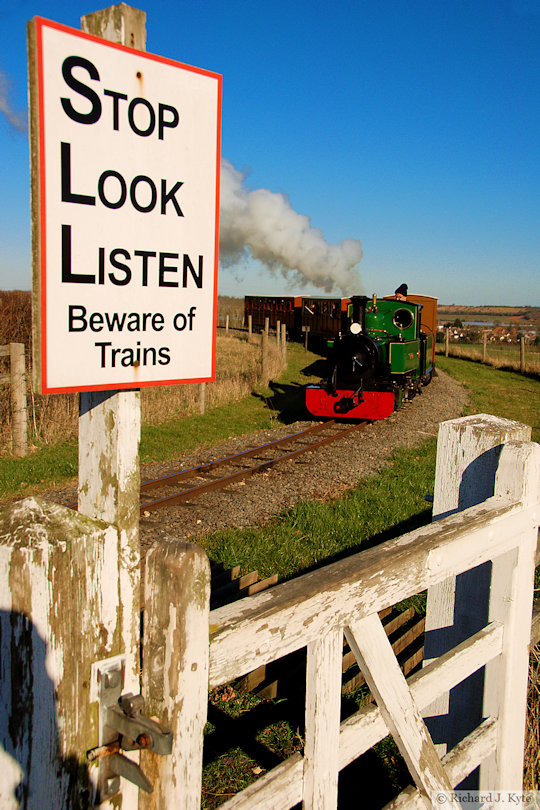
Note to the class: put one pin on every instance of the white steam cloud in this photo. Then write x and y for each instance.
(263, 224)
(17, 120)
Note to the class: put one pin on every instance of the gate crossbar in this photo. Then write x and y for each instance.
(272, 624)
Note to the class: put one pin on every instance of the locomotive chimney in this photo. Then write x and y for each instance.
(359, 310)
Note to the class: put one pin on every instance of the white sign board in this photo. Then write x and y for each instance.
(126, 174)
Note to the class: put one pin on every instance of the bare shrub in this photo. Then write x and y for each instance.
(531, 779)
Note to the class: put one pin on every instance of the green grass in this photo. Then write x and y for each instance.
(311, 533)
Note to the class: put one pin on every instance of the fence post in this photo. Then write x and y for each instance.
(266, 326)
(264, 358)
(250, 326)
(60, 612)
(284, 342)
(202, 397)
(511, 599)
(468, 451)
(175, 673)
(18, 399)
(446, 341)
(522, 365)
(484, 350)
(278, 333)
(226, 324)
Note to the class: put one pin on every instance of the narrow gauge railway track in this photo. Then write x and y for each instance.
(169, 483)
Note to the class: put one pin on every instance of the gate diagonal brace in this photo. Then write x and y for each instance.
(123, 726)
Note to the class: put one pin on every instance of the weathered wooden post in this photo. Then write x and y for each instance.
(306, 329)
(17, 374)
(522, 364)
(278, 333)
(62, 575)
(175, 673)
(484, 349)
(468, 451)
(284, 343)
(202, 398)
(511, 598)
(226, 324)
(267, 326)
(446, 341)
(250, 326)
(110, 421)
(264, 358)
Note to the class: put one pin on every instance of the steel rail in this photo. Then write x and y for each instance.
(219, 483)
(221, 462)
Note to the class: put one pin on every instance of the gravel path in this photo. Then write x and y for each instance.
(326, 473)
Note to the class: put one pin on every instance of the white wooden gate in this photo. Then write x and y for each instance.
(315, 610)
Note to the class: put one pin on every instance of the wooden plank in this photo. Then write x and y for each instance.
(396, 703)
(257, 587)
(323, 704)
(247, 634)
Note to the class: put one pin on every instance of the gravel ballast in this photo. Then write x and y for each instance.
(325, 473)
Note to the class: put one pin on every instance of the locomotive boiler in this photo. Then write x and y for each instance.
(382, 358)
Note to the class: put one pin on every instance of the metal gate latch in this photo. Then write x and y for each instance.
(123, 726)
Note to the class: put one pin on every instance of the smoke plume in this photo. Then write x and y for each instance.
(262, 224)
(16, 119)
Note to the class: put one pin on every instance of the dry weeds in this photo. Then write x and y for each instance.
(507, 358)
(238, 373)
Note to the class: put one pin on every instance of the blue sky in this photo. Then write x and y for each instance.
(410, 125)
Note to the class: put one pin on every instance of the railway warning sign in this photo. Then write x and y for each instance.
(125, 176)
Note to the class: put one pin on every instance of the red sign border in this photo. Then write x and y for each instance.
(40, 24)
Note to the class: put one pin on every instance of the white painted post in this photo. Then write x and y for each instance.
(60, 611)
(18, 399)
(175, 673)
(511, 602)
(468, 451)
(323, 703)
(110, 421)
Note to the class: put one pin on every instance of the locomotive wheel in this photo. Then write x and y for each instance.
(427, 379)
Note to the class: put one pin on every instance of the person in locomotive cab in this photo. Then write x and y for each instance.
(401, 292)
